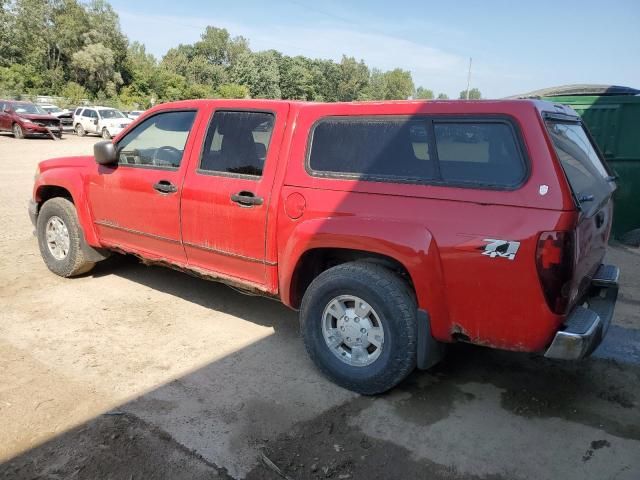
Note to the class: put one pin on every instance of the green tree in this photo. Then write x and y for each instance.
(399, 85)
(326, 76)
(94, 67)
(352, 80)
(232, 90)
(296, 78)
(423, 94)
(104, 24)
(259, 72)
(19, 79)
(74, 93)
(377, 87)
(474, 94)
(443, 96)
(218, 48)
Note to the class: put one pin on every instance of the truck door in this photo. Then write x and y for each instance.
(136, 203)
(226, 194)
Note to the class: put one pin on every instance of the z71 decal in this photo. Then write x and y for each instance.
(501, 248)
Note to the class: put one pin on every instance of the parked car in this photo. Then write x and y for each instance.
(25, 119)
(134, 114)
(394, 228)
(65, 115)
(104, 121)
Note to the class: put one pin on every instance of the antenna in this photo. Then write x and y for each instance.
(469, 77)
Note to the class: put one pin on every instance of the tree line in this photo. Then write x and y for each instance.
(78, 51)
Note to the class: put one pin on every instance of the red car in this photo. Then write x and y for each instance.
(394, 228)
(25, 119)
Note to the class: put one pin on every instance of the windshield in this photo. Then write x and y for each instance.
(53, 109)
(587, 175)
(29, 108)
(111, 114)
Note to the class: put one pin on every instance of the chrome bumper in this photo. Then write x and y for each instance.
(585, 327)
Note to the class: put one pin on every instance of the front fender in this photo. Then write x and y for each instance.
(411, 245)
(72, 180)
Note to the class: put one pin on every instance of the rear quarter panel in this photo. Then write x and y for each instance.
(439, 233)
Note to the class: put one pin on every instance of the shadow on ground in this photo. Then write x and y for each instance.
(480, 414)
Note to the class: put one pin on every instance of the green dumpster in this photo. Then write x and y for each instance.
(612, 114)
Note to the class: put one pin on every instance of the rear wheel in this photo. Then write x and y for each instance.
(17, 131)
(60, 238)
(105, 134)
(359, 326)
(80, 130)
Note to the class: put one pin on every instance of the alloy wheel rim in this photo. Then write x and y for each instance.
(352, 330)
(57, 236)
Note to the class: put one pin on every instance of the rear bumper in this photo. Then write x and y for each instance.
(586, 326)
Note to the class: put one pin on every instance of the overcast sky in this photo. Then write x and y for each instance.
(516, 46)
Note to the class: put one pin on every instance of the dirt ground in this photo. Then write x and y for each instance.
(141, 372)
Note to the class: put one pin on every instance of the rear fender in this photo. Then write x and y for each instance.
(411, 245)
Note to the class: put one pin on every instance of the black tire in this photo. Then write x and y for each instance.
(74, 263)
(390, 298)
(17, 131)
(105, 134)
(80, 130)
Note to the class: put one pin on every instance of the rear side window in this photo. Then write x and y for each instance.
(479, 153)
(419, 149)
(373, 147)
(585, 171)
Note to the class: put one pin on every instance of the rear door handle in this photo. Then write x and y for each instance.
(246, 199)
(165, 186)
(599, 219)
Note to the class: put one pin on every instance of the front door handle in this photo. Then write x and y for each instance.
(246, 199)
(599, 219)
(165, 186)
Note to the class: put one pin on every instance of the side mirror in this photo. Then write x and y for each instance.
(95, 121)
(105, 153)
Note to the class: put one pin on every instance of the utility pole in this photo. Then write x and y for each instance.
(469, 78)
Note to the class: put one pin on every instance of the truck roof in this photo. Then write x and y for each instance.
(458, 107)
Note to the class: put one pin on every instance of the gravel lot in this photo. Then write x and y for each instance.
(143, 372)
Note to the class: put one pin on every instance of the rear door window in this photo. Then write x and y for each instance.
(582, 165)
(237, 143)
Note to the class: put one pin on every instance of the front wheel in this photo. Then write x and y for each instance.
(80, 130)
(359, 326)
(105, 134)
(17, 131)
(60, 238)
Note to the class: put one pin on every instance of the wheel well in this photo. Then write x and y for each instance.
(313, 262)
(51, 191)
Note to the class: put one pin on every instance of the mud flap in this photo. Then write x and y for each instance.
(430, 351)
(90, 253)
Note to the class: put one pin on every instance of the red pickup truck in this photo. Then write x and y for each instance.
(393, 227)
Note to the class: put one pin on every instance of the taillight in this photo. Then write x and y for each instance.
(555, 258)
